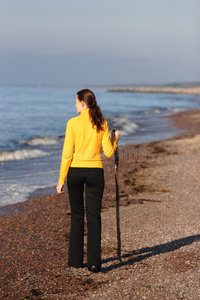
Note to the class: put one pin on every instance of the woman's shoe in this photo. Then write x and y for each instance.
(94, 269)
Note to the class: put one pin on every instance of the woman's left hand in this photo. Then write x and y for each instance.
(115, 133)
(59, 188)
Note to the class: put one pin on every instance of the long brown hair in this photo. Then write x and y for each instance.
(96, 115)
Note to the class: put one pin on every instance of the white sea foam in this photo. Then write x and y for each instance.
(176, 109)
(152, 111)
(123, 124)
(43, 140)
(15, 192)
(21, 154)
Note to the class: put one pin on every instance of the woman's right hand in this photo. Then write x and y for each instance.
(59, 188)
(116, 134)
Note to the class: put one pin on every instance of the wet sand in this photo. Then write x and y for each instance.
(34, 241)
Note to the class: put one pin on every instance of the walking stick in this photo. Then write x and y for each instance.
(117, 205)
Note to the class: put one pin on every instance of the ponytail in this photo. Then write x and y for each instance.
(95, 113)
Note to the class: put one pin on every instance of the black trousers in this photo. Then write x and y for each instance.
(93, 181)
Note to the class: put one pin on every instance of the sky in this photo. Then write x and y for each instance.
(93, 42)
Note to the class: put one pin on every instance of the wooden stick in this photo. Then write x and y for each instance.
(117, 206)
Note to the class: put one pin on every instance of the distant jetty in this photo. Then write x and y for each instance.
(193, 89)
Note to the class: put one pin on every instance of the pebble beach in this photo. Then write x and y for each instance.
(159, 186)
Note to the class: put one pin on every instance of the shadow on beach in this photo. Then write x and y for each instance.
(141, 254)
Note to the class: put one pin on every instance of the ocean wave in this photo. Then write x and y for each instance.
(43, 140)
(11, 193)
(176, 109)
(122, 123)
(30, 175)
(152, 111)
(164, 110)
(20, 154)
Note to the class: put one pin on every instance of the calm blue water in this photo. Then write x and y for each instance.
(33, 122)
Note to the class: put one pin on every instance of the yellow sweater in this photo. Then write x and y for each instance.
(82, 145)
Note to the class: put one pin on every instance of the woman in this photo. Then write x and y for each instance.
(82, 165)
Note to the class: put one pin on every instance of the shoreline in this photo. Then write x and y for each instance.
(178, 122)
(157, 90)
(186, 121)
(35, 239)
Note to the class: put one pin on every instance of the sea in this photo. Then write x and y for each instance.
(33, 123)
